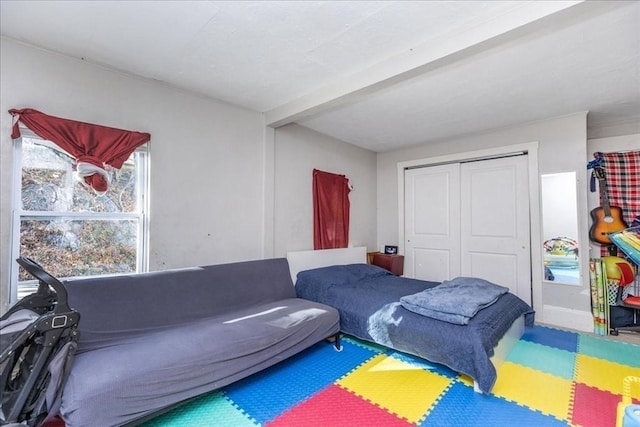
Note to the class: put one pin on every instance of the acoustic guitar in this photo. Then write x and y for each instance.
(606, 218)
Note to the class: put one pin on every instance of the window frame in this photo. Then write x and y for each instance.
(18, 214)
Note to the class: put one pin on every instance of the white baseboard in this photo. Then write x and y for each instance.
(567, 318)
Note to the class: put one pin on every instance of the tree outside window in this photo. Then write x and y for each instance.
(65, 226)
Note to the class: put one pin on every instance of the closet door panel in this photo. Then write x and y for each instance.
(431, 264)
(497, 268)
(495, 241)
(432, 222)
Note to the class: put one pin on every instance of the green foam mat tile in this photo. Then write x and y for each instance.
(210, 409)
(543, 358)
(613, 351)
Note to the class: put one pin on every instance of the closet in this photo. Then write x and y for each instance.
(469, 219)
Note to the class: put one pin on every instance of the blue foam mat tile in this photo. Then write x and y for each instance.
(270, 392)
(470, 409)
(563, 340)
(366, 344)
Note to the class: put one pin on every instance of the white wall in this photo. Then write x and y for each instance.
(562, 147)
(298, 150)
(224, 188)
(207, 157)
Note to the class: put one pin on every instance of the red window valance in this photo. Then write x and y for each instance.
(330, 210)
(93, 146)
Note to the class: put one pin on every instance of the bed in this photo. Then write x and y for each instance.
(368, 299)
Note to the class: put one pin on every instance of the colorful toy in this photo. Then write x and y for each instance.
(561, 252)
(628, 415)
(618, 270)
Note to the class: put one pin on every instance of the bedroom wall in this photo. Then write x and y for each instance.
(207, 157)
(562, 147)
(298, 150)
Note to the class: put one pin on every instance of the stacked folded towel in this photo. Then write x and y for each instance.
(454, 301)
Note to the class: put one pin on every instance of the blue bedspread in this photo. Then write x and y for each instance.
(368, 300)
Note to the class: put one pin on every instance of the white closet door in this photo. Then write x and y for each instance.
(495, 223)
(432, 222)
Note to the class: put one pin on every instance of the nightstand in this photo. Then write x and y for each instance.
(393, 263)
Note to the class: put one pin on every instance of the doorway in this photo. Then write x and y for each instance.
(469, 218)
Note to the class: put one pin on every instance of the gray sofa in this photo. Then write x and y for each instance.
(151, 340)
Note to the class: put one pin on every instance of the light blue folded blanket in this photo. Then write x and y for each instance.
(454, 301)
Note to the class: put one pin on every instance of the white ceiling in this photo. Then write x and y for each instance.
(380, 75)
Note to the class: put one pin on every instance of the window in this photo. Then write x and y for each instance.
(65, 226)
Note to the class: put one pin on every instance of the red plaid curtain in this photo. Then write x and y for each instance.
(623, 183)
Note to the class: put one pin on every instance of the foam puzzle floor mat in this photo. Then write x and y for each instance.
(552, 377)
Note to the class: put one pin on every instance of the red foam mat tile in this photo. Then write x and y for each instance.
(336, 407)
(593, 407)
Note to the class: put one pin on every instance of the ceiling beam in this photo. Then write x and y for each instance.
(419, 60)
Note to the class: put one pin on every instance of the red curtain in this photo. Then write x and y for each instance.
(93, 146)
(330, 210)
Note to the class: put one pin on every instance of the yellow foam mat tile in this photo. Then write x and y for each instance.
(534, 389)
(602, 374)
(402, 389)
(465, 379)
